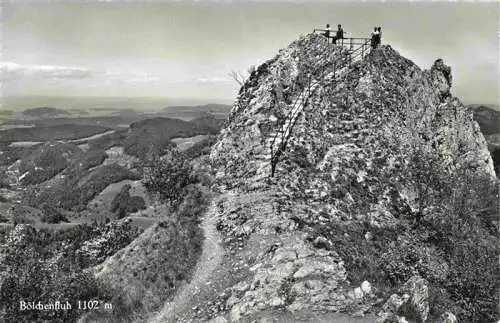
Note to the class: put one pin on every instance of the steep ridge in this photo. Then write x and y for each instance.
(361, 144)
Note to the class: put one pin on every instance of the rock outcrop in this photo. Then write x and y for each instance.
(411, 302)
(351, 159)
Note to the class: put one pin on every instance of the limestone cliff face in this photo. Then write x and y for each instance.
(350, 157)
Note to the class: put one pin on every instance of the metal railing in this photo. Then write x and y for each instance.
(284, 132)
(324, 63)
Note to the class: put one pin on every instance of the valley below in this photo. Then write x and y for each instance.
(41, 149)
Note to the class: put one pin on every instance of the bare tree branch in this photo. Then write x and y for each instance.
(237, 76)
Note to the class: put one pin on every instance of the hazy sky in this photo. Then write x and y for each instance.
(186, 48)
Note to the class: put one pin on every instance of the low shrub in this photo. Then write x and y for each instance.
(124, 203)
(168, 177)
(52, 215)
(54, 218)
(4, 183)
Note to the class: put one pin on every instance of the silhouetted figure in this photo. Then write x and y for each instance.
(327, 33)
(339, 34)
(373, 40)
(376, 37)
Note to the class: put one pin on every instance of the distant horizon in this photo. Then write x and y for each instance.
(18, 103)
(195, 100)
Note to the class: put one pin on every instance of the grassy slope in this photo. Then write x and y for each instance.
(143, 275)
(146, 273)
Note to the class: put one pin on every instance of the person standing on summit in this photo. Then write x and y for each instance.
(374, 38)
(379, 37)
(339, 34)
(327, 33)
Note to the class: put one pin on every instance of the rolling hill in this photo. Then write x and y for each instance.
(46, 161)
(155, 134)
(488, 119)
(44, 112)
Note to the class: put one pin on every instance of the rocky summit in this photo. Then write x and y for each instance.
(326, 158)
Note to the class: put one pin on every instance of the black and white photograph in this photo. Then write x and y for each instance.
(257, 161)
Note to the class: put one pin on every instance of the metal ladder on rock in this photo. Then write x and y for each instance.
(278, 140)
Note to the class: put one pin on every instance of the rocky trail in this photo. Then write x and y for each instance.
(210, 259)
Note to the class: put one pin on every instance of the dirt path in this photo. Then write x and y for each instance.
(210, 259)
